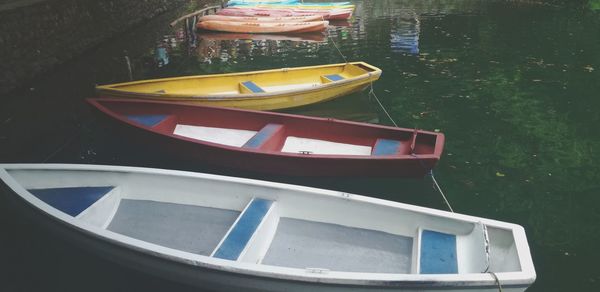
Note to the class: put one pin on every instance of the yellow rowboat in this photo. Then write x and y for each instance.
(259, 90)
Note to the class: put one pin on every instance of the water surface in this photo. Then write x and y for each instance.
(515, 88)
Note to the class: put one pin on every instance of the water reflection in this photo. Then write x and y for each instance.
(207, 47)
(404, 37)
(161, 55)
(305, 37)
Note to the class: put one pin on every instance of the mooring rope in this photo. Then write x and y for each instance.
(435, 183)
(372, 92)
(497, 281)
(439, 189)
(334, 44)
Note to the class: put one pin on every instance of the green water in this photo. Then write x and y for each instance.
(515, 89)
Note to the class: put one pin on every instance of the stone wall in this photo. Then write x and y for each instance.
(36, 35)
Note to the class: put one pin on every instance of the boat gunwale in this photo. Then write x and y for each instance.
(522, 278)
(110, 88)
(437, 152)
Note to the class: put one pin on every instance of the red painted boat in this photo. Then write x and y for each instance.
(274, 143)
(268, 27)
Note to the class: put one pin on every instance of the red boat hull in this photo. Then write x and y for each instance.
(270, 162)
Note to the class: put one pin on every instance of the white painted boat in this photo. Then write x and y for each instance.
(236, 234)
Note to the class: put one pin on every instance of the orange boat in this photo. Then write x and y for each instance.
(271, 27)
(261, 19)
(334, 14)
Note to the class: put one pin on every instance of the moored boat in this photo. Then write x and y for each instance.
(254, 2)
(233, 234)
(216, 17)
(334, 14)
(263, 27)
(273, 143)
(311, 6)
(262, 90)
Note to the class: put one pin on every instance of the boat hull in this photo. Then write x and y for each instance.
(261, 101)
(260, 19)
(170, 269)
(336, 14)
(272, 160)
(257, 27)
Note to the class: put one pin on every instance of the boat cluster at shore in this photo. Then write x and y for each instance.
(235, 234)
(288, 17)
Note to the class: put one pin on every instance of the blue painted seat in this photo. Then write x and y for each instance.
(252, 87)
(239, 236)
(147, 120)
(262, 136)
(386, 147)
(438, 253)
(334, 77)
(71, 200)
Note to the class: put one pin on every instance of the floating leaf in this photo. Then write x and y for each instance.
(499, 174)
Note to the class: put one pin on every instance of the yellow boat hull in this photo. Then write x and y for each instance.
(281, 88)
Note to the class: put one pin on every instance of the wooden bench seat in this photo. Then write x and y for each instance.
(438, 253)
(262, 137)
(250, 87)
(241, 232)
(386, 147)
(71, 200)
(331, 78)
(147, 120)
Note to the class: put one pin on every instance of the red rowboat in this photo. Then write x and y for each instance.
(274, 143)
(269, 27)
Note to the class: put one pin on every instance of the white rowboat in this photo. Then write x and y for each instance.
(235, 234)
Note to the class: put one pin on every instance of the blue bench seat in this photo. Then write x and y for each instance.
(71, 200)
(386, 147)
(147, 120)
(241, 233)
(262, 136)
(250, 87)
(334, 77)
(438, 253)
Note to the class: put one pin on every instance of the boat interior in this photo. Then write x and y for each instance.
(250, 83)
(297, 228)
(273, 133)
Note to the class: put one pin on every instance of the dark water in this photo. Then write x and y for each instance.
(515, 88)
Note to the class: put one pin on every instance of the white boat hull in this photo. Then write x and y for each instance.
(242, 275)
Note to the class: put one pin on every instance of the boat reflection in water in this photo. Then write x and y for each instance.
(305, 37)
(404, 37)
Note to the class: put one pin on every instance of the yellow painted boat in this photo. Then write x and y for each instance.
(260, 90)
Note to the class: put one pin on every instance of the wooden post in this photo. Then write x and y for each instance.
(202, 11)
